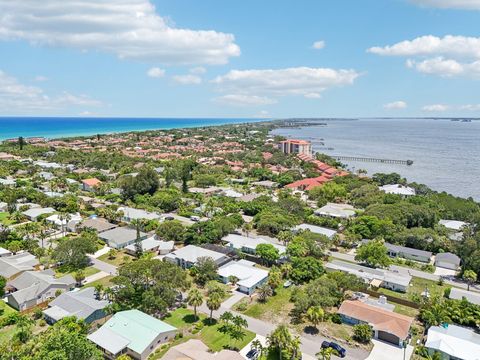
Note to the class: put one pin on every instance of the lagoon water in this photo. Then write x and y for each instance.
(13, 127)
(446, 153)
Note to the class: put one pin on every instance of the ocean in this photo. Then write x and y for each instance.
(446, 153)
(13, 127)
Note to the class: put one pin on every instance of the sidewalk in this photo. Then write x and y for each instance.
(232, 300)
(101, 252)
(95, 277)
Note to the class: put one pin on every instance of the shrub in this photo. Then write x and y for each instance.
(336, 318)
(241, 306)
(362, 333)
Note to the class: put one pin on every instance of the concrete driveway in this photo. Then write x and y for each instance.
(385, 351)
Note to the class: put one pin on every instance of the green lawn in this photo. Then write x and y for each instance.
(106, 282)
(6, 332)
(417, 286)
(276, 309)
(4, 218)
(59, 272)
(217, 341)
(182, 318)
(117, 260)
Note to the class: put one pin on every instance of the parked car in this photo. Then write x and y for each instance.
(195, 218)
(340, 350)
(287, 284)
(252, 354)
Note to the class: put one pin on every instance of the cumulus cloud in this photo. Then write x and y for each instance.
(130, 29)
(436, 108)
(450, 4)
(318, 44)
(432, 45)
(303, 81)
(447, 57)
(16, 97)
(156, 72)
(470, 107)
(395, 105)
(244, 100)
(187, 79)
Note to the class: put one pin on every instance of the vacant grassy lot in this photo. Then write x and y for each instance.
(118, 260)
(105, 282)
(276, 309)
(59, 272)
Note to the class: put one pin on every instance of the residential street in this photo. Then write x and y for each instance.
(103, 266)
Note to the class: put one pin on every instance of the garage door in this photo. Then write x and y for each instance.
(382, 335)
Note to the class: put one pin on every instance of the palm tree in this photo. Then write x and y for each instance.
(195, 299)
(315, 315)
(214, 302)
(280, 339)
(79, 277)
(264, 291)
(98, 291)
(325, 353)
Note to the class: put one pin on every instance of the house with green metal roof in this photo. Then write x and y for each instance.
(131, 332)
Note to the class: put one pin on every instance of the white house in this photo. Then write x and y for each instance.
(453, 342)
(398, 189)
(316, 230)
(455, 228)
(130, 214)
(189, 255)
(249, 277)
(447, 261)
(333, 210)
(248, 244)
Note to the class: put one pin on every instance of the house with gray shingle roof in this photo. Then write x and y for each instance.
(35, 287)
(83, 304)
(121, 237)
(12, 265)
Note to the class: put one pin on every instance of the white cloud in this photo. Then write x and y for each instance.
(446, 67)
(449, 45)
(244, 100)
(395, 105)
(318, 45)
(450, 4)
(436, 108)
(264, 114)
(446, 57)
(156, 72)
(313, 95)
(303, 81)
(40, 78)
(199, 70)
(130, 29)
(16, 97)
(187, 79)
(470, 107)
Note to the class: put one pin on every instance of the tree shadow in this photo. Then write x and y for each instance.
(311, 330)
(209, 322)
(190, 318)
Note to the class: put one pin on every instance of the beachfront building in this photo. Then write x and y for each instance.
(453, 342)
(133, 333)
(293, 146)
(398, 189)
(248, 276)
(387, 325)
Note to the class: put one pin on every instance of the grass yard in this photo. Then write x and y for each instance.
(118, 260)
(106, 282)
(183, 319)
(5, 219)
(417, 286)
(59, 272)
(406, 310)
(276, 309)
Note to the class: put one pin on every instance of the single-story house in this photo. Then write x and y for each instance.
(406, 252)
(133, 333)
(248, 197)
(339, 211)
(58, 222)
(195, 349)
(316, 230)
(34, 213)
(248, 244)
(11, 266)
(83, 304)
(266, 184)
(98, 224)
(455, 228)
(376, 277)
(120, 237)
(188, 256)
(90, 184)
(386, 325)
(205, 191)
(130, 214)
(7, 182)
(453, 342)
(5, 252)
(459, 294)
(398, 189)
(249, 277)
(231, 193)
(151, 244)
(447, 261)
(35, 287)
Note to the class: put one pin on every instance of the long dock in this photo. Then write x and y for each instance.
(366, 159)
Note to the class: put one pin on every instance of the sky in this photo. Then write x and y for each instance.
(242, 59)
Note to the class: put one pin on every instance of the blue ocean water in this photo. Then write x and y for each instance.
(12, 127)
(446, 153)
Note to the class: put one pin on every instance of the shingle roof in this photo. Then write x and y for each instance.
(12, 265)
(120, 235)
(378, 318)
